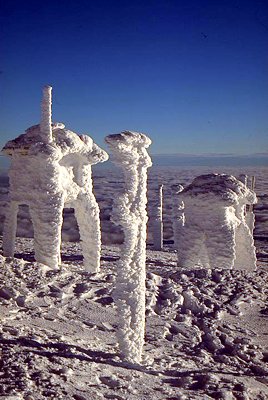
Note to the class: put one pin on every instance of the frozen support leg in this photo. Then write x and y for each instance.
(245, 252)
(47, 220)
(130, 285)
(130, 295)
(10, 228)
(88, 219)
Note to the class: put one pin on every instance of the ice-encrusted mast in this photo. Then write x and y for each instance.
(50, 168)
(177, 211)
(46, 115)
(129, 152)
(214, 233)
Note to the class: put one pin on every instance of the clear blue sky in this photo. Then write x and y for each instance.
(193, 75)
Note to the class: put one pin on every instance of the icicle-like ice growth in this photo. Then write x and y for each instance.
(214, 233)
(157, 223)
(47, 174)
(245, 249)
(87, 209)
(46, 115)
(129, 152)
(178, 214)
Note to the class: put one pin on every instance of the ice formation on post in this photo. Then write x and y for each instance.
(50, 168)
(177, 211)
(158, 220)
(243, 178)
(46, 115)
(129, 152)
(214, 233)
(250, 217)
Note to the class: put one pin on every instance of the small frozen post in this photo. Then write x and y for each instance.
(243, 178)
(158, 220)
(129, 152)
(178, 213)
(250, 217)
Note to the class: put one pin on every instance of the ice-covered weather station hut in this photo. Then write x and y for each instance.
(50, 169)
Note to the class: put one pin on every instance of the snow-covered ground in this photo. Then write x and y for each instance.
(206, 331)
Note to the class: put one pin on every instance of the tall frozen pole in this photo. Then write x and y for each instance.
(158, 220)
(129, 152)
(46, 115)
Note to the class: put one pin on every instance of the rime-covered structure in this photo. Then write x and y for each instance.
(157, 220)
(129, 152)
(214, 232)
(50, 168)
(178, 214)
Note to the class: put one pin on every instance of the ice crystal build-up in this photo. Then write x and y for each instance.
(157, 220)
(50, 169)
(214, 232)
(129, 152)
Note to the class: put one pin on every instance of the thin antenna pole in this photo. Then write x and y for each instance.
(46, 114)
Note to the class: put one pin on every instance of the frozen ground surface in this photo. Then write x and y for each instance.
(206, 335)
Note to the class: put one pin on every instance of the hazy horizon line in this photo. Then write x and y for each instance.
(263, 154)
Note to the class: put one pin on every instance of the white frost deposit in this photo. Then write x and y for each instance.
(214, 232)
(157, 217)
(50, 168)
(177, 211)
(129, 152)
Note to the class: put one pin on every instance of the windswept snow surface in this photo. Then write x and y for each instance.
(206, 331)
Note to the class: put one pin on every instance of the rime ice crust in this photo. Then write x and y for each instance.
(157, 220)
(46, 115)
(214, 232)
(177, 211)
(129, 152)
(50, 168)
